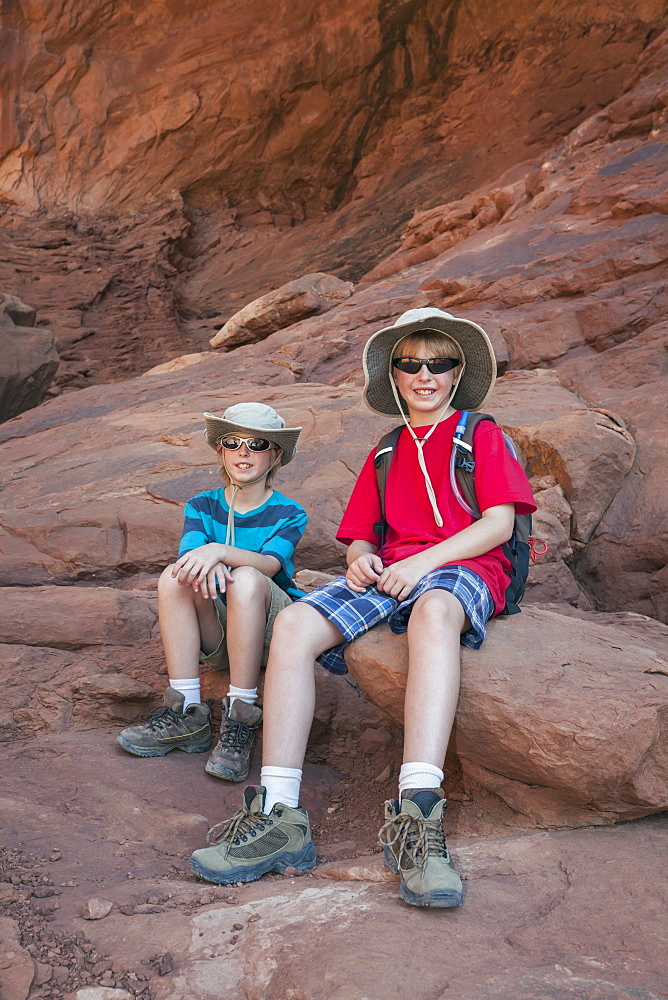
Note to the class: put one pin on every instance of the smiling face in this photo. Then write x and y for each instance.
(244, 466)
(425, 394)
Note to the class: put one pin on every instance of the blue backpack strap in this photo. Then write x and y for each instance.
(462, 460)
(463, 450)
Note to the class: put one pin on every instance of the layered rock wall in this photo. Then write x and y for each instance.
(112, 105)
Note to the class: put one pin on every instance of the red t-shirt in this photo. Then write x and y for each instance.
(498, 477)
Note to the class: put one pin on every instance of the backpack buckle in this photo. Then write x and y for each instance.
(467, 464)
(463, 455)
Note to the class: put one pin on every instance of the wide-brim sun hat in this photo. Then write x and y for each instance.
(253, 420)
(476, 381)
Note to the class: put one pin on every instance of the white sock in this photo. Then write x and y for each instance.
(282, 785)
(418, 775)
(189, 688)
(249, 695)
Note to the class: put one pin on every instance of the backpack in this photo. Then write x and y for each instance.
(519, 548)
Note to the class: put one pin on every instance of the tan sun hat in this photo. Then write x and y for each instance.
(476, 381)
(253, 420)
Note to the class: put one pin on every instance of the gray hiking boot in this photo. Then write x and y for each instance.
(231, 756)
(412, 836)
(250, 843)
(169, 728)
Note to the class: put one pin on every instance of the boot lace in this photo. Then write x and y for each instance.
(234, 736)
(415, 837)
(238, 826)
(160, 718)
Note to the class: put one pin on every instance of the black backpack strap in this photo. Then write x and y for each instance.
(462, 443)
(382, 462)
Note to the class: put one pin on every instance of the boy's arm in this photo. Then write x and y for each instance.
(494, 528)
(205, 567)
(364, 566)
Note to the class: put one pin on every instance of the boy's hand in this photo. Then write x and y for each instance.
(364, 571)
(203, 570)
(401, 577)
(217, 579)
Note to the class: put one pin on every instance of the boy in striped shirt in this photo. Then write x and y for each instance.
(217, 603)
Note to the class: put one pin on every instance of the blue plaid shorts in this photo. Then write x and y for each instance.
(354, 614)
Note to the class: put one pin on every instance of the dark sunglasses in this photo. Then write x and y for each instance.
(233, 443)
(437, 366)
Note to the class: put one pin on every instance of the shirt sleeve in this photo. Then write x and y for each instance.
(194, 532)
(363, 510)
(499, 478)
(283, 541)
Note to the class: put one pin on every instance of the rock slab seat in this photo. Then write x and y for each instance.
(564, 719)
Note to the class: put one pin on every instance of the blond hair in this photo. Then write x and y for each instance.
(437, 345)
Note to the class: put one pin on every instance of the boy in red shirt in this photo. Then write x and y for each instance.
(439, 576)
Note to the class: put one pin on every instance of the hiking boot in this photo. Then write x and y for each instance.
(250, 843)
(231, 756)
(412, 837)
(169, 728)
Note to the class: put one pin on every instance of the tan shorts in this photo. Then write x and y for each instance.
(218, 659)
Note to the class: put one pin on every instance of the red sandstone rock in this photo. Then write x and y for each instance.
(629, 544)
(106, 287)
(561, 718)
(364, 97)
(96, 908)
(361, 870)
(541, 901)
(28, 358)
(16, 965)
(76, 619)
(306, 296)
(60, 667)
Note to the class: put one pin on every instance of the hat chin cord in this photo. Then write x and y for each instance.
(420, 442)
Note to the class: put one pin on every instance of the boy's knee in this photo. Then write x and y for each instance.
(437, 607)
(167, 582)
(289, 622)
(248, 582)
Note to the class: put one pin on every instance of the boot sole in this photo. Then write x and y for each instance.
(226, 773)
(144, 752)
(301, 860)
(440, 898)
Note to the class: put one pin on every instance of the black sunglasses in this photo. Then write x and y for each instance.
(233, 443)
(437, 366)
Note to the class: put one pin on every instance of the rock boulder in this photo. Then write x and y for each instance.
(306, 296)
(564, 719)
(81, 656)
(28, 358)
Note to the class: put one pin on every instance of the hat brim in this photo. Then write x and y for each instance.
(285, 438)
(477, 379)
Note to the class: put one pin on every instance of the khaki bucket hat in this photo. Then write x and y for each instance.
(253, 420)
(476, 381)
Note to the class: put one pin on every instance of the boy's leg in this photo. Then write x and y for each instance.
(413, 832)
(248, 600)
(432, 688)
(265, 837)
(187, 622)
(301, 634)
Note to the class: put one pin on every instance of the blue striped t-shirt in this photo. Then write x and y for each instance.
(272, 529)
